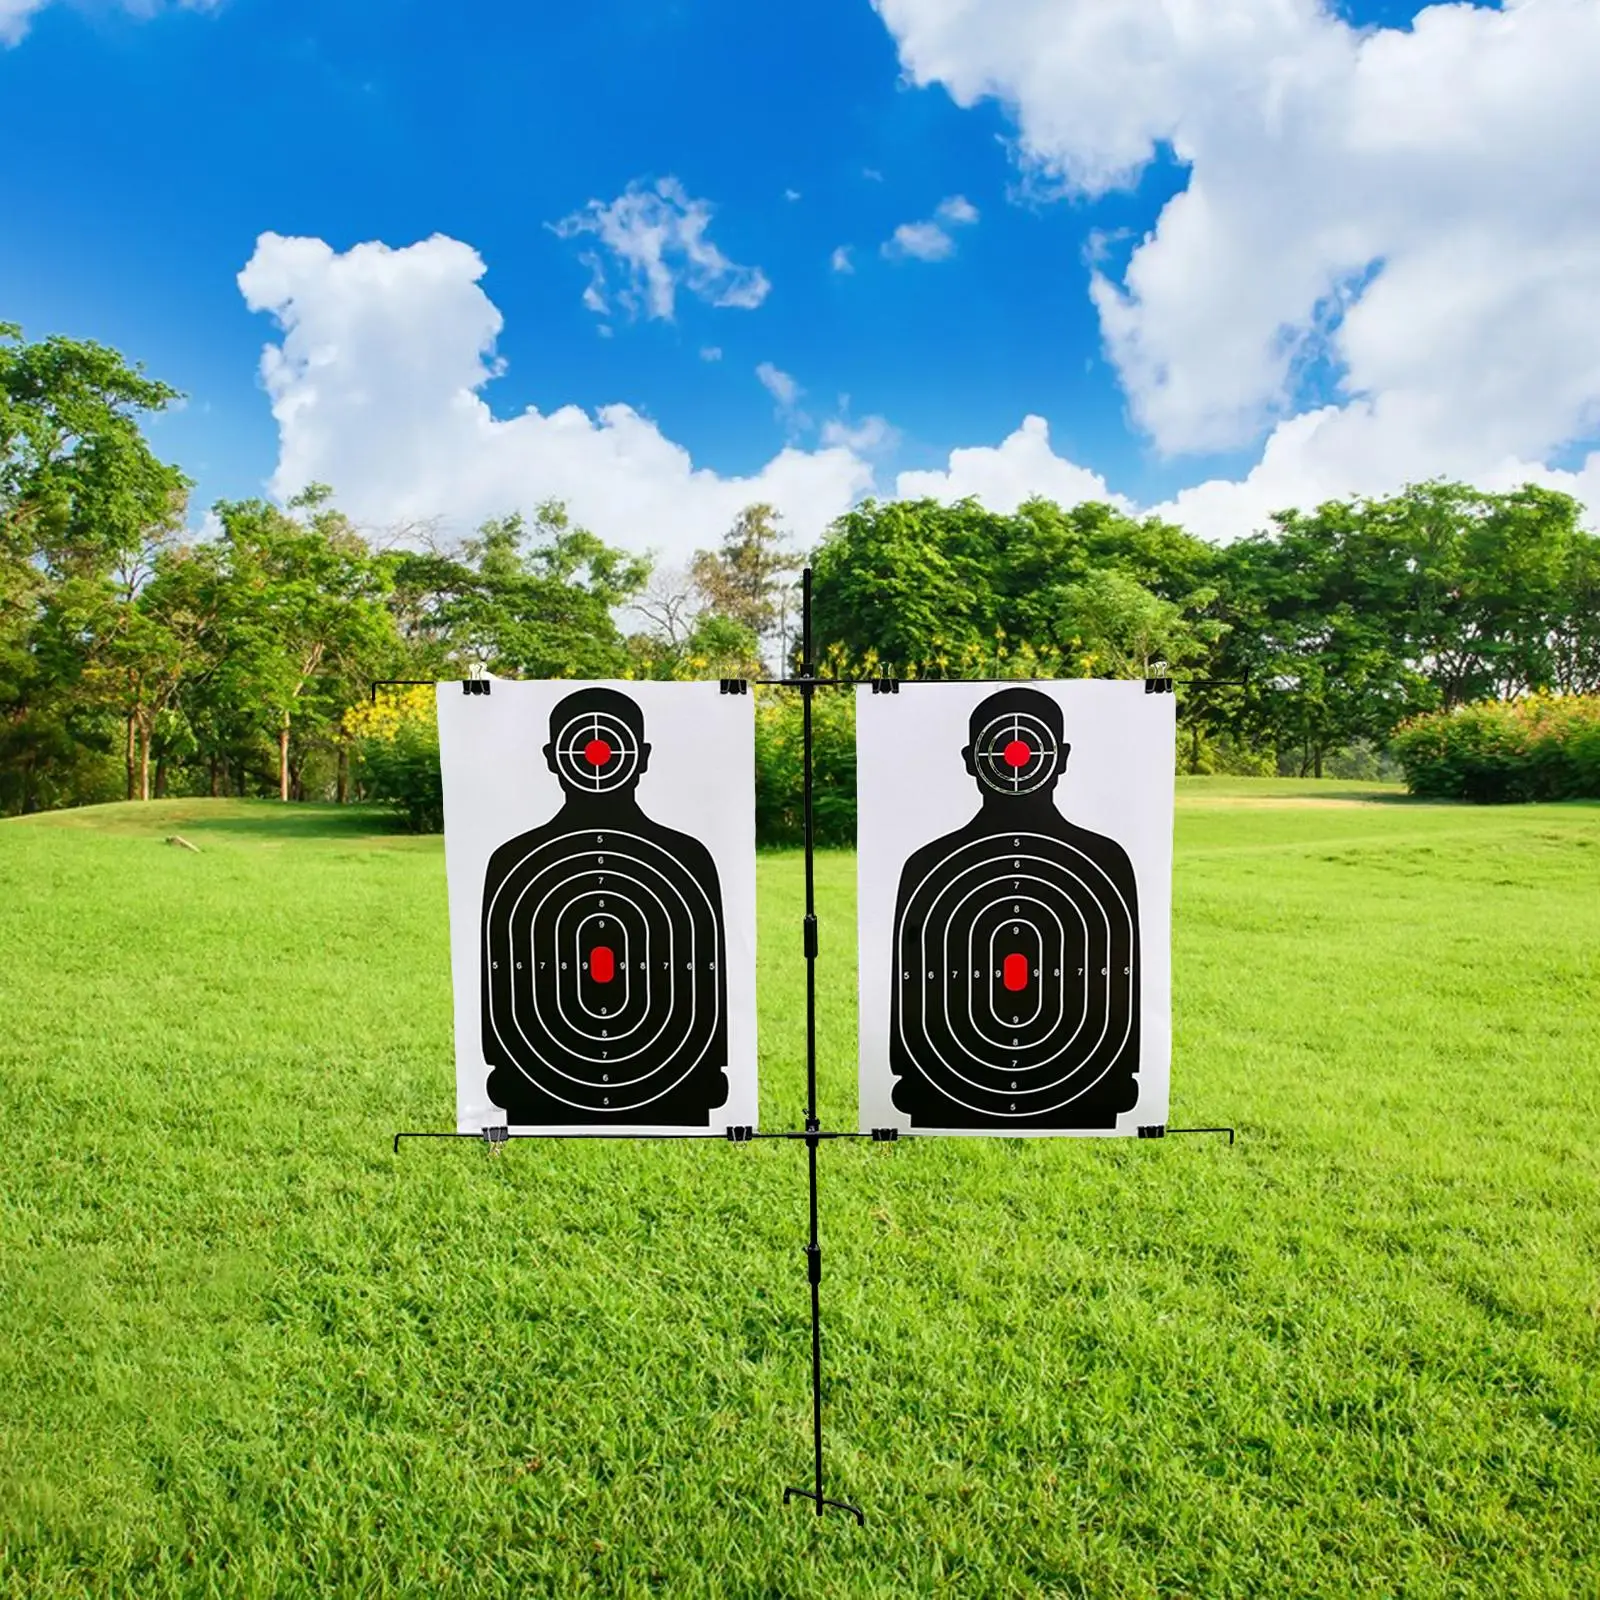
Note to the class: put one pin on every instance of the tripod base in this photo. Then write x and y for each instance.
(819, 1502)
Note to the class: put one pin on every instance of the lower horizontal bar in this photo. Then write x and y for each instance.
(502, 1135)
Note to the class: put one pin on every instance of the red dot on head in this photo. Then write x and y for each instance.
(597, 752)
(1017, 754)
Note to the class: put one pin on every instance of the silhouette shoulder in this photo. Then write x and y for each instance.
(1105, 852)
(689, 851)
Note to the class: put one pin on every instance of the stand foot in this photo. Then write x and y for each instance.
(820, 1502)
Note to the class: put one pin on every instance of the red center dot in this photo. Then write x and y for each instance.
(1017, 754)
(597, 752)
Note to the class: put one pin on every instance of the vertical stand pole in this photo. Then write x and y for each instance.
(808, 686)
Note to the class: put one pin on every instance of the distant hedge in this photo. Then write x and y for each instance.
(1546, 747)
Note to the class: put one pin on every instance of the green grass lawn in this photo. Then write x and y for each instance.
(246, 1350)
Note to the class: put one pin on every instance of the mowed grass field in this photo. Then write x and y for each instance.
(247, 1350)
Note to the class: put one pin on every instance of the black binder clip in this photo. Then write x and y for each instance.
(1155, 1130)
(885, 1135)
(475, 686)
(735, 686)
(496, 1135)
(886, 686)
(1158, 685)
(740, 1133)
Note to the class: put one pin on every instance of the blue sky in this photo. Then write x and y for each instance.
(147, 150)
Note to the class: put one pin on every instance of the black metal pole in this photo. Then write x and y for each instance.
(807, 685)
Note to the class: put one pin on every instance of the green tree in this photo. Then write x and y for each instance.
(518, 601)
(1119, 629)
(958, 590)
(744, 581)
(305, 615)
(1355, 616)
(84, 504)
(150, 633)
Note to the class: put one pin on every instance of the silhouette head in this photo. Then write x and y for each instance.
(597, 743)
(1017, 748)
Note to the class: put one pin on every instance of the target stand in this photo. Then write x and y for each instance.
(1023, 909)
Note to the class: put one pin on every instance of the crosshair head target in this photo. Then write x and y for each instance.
(1017, 743)
(597, 743)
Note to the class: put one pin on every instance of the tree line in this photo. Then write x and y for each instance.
(137, 659)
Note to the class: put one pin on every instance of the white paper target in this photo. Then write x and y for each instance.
(600, 855)
(1015, 905)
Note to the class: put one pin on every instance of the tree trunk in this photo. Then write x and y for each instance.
(216, 779)
(1194, 748)
(1316, 771)
(161, 777)
(344, 774)
(144, 763)
(283, 759)
(129, 755)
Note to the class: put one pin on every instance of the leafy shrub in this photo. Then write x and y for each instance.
(1545, 747)
(780, 817)
(395, 744)
(1202, 753)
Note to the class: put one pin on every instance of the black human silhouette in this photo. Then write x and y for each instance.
(604, 992)
(1016, 938)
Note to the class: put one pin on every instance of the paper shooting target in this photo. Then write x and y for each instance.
(611, 955)
(1006, 961)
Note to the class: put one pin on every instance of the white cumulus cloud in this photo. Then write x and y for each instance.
(15, 15)
(1311, 459)
(1416, 210)
(376, 380)
(656, 238)
(872, 435)
(930, 240)
(779, 384)
(1001, 477)
(926, 241)
(840, 259)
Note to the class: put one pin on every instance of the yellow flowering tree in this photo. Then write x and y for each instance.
(395, 741)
